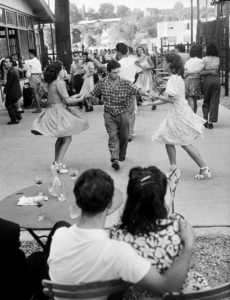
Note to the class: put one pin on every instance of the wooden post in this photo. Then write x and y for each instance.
(191, 22)
(62, 32)
(227, 49)
(198, 22)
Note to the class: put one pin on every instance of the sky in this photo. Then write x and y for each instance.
(142, 4)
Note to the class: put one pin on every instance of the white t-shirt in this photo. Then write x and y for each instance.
(211, 62)
(81, 255)
(194, 65)
(128, 68)
(33, 66)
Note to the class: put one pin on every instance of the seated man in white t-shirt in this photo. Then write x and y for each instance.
(85, 253)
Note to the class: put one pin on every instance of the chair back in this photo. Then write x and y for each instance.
(92, 290)
(221, 292)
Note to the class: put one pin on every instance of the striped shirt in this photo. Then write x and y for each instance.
(116, 99)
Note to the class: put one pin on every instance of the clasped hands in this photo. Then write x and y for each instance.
(149, 97)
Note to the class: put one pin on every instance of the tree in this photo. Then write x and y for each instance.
(74, 14)
(122, 11)
(178, 10)
(91, 14)
(106, 10)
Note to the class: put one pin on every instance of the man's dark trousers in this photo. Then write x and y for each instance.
(118, 131)
(12, 109)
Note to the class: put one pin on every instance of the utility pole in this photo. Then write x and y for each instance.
(62, 32)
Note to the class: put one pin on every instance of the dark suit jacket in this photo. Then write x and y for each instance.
(12, 88)
(14, 278)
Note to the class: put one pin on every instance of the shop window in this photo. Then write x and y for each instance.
(29, 22)
(24, 43)
(31, 39)
(21, 21)
(2, 16)
(11, 18)
(3, 43)
(13, 42)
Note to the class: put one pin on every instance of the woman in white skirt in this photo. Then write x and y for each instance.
(59, 120)
(181, 126)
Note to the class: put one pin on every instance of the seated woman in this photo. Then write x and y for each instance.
(145, 224)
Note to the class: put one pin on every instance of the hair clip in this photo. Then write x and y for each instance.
(145, 178)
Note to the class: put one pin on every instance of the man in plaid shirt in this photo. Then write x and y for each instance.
(117, 96)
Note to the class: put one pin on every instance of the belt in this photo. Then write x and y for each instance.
(35, 73)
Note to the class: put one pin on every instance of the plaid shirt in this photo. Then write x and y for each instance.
(116, 99)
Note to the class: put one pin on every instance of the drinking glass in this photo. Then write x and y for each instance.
(39, 203)
(73, 174)
(38, 181)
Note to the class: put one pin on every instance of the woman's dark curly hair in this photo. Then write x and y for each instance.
(211, 50)
(52, 71)
(196, 51)
(175, 63)
(145, 203)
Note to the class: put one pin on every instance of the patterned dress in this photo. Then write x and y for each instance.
(161, 248)
(144, 80)
(181, 126)
(192, 81)
(59, 120)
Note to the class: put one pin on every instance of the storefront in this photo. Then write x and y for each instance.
(21, 24)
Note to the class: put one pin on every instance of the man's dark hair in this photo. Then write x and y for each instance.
(113, 64)
(32, 51)
(93, 191)
(180, 47)
(130, 50)
(122, 48)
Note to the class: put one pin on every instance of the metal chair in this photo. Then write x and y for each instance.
(92, 290)
(221, 292)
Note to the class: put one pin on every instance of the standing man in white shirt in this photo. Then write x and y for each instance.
(33, 72)
(128, 71)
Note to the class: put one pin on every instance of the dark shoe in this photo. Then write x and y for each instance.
(37, 111)
(89, 109)
(115, 164)
(122, 158)
(210, 126)
(206, 124)
(130, 140)
(12, 123)
(21, 111)
(154, 107)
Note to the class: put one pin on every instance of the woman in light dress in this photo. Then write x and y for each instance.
(59, 120)
(192, 69)
(181, 126)
(147, 227)
(144, 80)
(211, 85)
(88, 83)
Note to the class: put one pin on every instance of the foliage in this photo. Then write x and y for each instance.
(106, 11)
(74, 14)
(122, 11)
(92, 15)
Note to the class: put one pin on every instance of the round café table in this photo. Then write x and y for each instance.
(53, 210)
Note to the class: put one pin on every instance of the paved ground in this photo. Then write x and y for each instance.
(207, 202)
